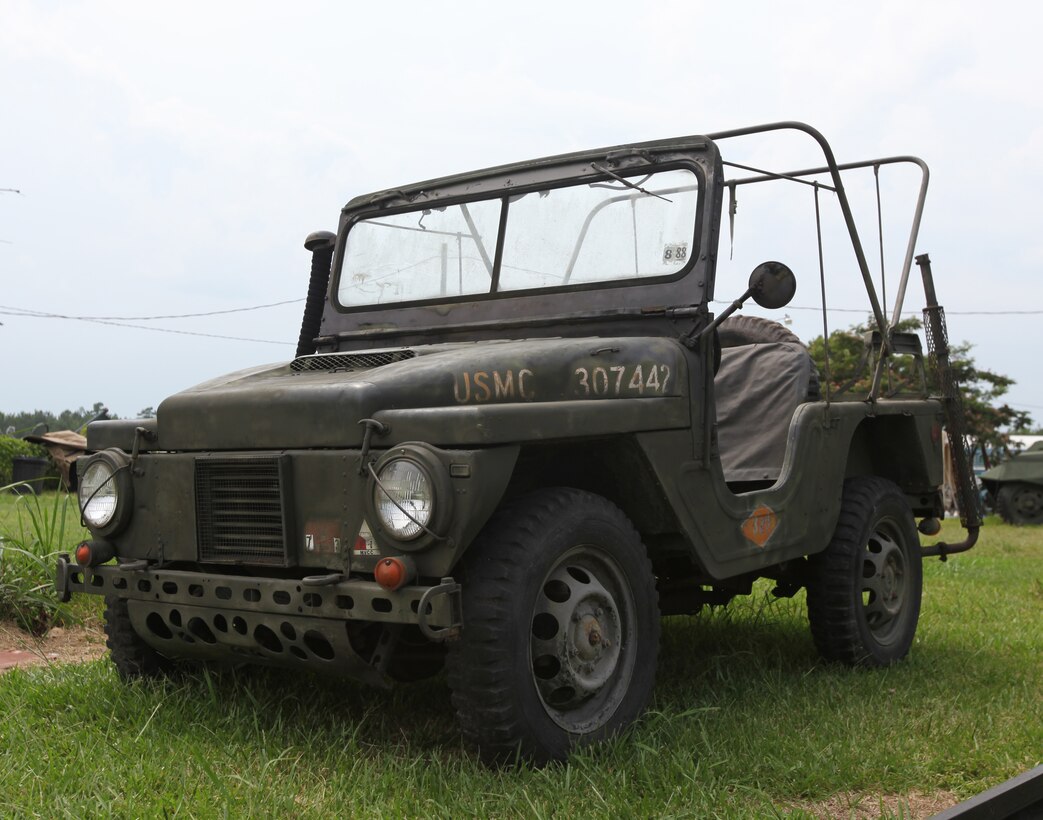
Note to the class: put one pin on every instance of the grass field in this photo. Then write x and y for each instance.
(746, 722)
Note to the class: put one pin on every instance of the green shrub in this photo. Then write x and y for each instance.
(10, 448)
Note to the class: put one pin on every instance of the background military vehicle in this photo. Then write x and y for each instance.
(513, 436)
(1016, 486)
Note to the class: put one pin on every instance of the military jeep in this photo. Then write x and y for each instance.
(514, 435)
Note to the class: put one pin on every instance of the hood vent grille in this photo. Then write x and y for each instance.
(331, 362)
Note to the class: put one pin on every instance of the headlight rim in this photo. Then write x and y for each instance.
(437, 474)
(119, 464)
(378, 490)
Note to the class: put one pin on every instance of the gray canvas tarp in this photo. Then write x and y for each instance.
(757, 388)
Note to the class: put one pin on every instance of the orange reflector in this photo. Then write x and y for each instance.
(390, 573)
(83, 553)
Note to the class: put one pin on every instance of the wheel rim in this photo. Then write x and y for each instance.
(582, 643)
(885, 582)
(1027, 504)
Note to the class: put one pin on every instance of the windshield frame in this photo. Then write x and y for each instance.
(504, 195)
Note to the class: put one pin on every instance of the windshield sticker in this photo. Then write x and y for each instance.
(676, 254)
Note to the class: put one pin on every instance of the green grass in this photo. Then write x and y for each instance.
(33, 530)
(746, 722)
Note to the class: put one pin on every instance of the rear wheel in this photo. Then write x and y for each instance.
(561, 628)
(1020, 503)
(864, 589)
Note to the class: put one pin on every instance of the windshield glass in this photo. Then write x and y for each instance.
(612, 230)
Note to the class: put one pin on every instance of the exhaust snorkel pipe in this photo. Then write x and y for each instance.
(320, 243)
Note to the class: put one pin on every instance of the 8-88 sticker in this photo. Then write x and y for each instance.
(622, 380)
(675, 254)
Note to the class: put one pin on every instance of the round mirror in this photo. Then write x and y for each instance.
(772, 285)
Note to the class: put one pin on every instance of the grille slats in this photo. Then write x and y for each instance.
(239, 510)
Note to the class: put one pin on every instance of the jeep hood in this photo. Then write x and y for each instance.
(318, 401)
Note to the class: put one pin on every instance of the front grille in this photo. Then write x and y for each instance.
(349, 361)
(240, 512)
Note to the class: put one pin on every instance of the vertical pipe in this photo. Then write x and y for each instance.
(321, 245)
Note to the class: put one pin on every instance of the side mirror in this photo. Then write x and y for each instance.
(772, 285)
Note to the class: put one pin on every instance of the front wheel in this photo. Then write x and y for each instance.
(864, 589)
(561, 628)
(132, 657)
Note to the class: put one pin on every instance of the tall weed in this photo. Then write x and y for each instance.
(35, 530)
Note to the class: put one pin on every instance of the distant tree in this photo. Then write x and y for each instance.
(26, 422)
(147, 413)
(989, 421)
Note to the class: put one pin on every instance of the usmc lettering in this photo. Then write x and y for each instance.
(480, 386)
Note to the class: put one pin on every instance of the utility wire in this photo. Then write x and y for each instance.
(142, 327)
(30, 312)
(10, 310)
(948, 312)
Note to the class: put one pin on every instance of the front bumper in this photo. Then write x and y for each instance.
(264, 620)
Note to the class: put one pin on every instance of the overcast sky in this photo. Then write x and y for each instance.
(172, 158)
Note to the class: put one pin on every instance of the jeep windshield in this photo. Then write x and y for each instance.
(616, 229)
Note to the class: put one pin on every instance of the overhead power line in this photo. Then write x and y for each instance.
(31, 312)
(25, 315)
(866, 310)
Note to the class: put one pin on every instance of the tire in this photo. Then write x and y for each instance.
(736, 331)
(561, 628)
(864, 589)
(132, 657)
(415, 658)
(1020, 503)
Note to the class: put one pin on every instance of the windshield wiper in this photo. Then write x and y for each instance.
(626, 182)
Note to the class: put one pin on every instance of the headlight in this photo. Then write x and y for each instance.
(106, 492)
(404, 499)
(98, 494)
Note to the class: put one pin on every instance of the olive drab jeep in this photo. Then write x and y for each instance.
(514, 435)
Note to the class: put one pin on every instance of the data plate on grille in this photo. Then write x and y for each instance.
(349, 361)
(241, 509)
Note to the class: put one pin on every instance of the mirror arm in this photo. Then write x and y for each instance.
(771, 284)
(724, 314)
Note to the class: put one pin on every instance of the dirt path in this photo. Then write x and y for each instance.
(72, 644)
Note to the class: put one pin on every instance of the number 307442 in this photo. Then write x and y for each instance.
(623, 380)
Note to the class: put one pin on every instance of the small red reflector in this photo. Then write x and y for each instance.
(83, 554)
(390, 573)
